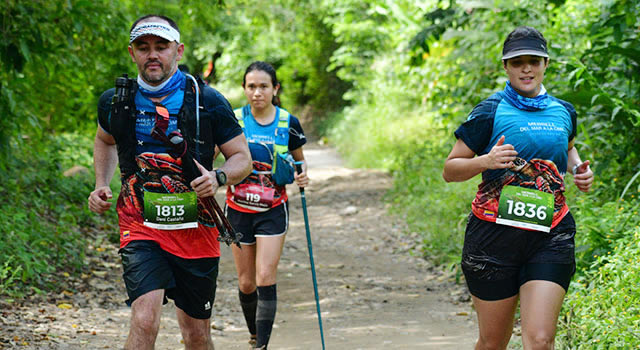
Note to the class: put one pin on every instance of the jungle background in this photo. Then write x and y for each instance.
(384, 81)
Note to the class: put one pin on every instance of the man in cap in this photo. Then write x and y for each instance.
(168, 239)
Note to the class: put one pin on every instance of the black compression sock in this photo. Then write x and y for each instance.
(266, 314)
(249, 303)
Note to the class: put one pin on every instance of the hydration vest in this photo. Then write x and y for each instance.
(197, 131)
(281, 145)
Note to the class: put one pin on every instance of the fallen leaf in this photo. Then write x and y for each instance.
(65, 306)
(99, 273)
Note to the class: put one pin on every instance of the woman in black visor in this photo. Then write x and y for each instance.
(519, 241)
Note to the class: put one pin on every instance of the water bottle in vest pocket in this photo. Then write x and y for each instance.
(283, 174)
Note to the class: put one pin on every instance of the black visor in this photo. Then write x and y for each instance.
(524, 46)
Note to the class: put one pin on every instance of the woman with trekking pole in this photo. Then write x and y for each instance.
(519, 240)
(257, 207)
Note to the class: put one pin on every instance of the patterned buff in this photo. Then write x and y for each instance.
(169, 85)
(526, 103)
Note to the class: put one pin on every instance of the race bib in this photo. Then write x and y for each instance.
(254, 196)
(525, 208)
(170, 211)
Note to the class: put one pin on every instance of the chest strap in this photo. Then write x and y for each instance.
(281, 144)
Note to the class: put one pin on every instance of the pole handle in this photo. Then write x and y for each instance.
(299, 171)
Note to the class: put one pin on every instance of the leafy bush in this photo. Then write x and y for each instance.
(600, 226)
(602, 310)
(46, 216)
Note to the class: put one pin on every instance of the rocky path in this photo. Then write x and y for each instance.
(374, 294)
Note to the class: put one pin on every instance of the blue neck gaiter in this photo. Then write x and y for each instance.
(175, 82)
(537, 103)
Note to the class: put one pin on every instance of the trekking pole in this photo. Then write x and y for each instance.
(313, 268)
(226, 232)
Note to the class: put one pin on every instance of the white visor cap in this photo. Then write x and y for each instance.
(162, 30)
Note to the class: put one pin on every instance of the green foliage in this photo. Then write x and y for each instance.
(601, 311)
(603, 80)
(8, 275)
(293, 38)
(601, 226)
(48, 62)
(46, 218)
(438, 212)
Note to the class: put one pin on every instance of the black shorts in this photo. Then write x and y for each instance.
(498, 259)
(191, 283)
(271, 223)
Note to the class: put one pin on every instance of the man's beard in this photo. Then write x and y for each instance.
(163, 76)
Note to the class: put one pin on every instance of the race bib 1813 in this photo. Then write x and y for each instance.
(170, 211)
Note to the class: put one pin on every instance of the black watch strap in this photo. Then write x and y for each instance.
(221, 177)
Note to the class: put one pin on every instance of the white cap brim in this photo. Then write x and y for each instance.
(159, 29)
(530, 52)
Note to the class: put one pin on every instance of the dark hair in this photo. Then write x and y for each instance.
(524, 32)
(267, 68)
(169, 20)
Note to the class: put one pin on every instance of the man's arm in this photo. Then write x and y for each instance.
(105, 160)
(237, 166)
(238, 163)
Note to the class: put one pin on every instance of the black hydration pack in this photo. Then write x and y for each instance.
(194, 123)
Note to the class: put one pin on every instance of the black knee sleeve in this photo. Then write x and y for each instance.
(249, 303)
(266, 313)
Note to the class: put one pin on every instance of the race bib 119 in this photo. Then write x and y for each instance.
(525, 208)
(254, 196)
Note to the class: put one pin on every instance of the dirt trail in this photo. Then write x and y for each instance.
(374, 294)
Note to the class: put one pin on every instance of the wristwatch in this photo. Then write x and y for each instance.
(574, 170)
(221, 177)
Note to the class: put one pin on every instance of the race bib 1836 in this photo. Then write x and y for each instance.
(525, 208)
(170, 211)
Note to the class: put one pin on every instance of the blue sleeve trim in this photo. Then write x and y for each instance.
(477, 130)
(574, 116)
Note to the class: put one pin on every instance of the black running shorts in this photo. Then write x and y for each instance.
(271, 223)
(498, 259)
(191, 283)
